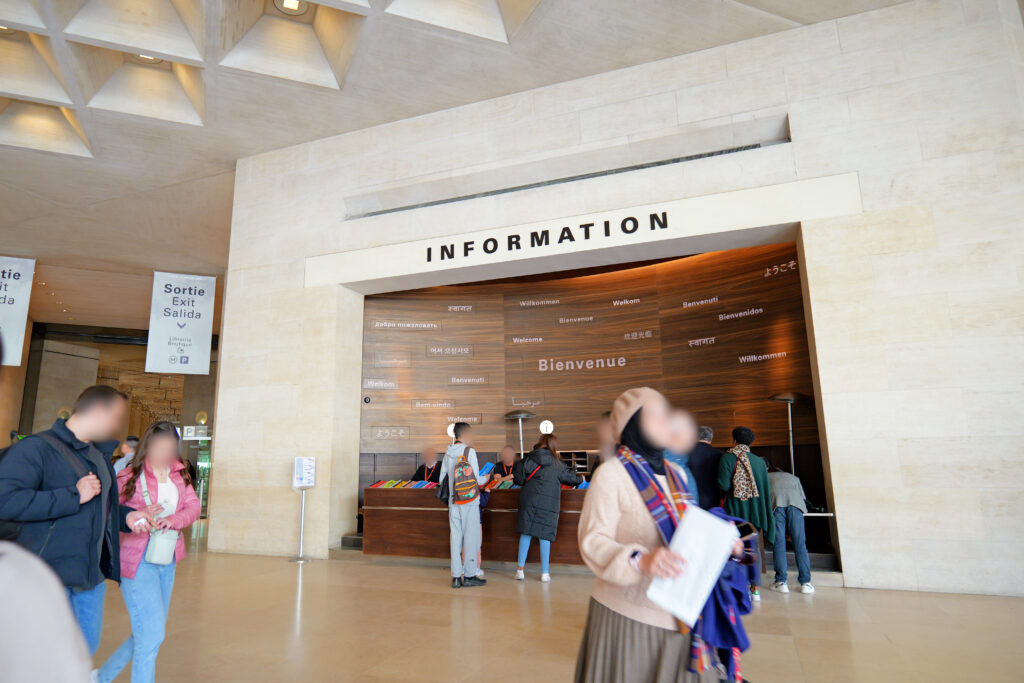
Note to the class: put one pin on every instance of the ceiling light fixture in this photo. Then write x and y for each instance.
(5, 30)
(148, 60)
(292, 7)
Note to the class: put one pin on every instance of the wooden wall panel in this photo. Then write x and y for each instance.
(553, 351)
(734, 334)
(718, 333)
(429, 358)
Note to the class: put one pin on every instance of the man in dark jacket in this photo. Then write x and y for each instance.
(69, 510)
(704, 465)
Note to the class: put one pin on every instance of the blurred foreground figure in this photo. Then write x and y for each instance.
(39, 637)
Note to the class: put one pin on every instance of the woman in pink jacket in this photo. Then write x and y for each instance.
(157, 480)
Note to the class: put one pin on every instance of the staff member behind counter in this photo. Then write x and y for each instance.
(502, 471)
(430, 470)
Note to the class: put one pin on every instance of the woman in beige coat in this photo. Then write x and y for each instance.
(627, 637)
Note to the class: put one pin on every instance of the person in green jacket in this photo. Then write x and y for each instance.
(743, 478)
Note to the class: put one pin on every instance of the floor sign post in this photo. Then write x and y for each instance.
(303, 479)
(300, 558)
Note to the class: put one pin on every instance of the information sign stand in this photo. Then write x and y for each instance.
(303, 479)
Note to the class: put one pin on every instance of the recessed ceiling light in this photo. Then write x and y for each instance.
(292, 7)
(143, 59)
(6, 30)
(41, 284)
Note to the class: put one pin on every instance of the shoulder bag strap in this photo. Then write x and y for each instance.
(70, 456)
(145, 488)
(535, 471)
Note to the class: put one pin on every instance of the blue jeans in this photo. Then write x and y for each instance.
(545, 552)
(148, 598)
(88, 609)
(791, 518)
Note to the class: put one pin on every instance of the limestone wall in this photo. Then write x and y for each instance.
(915, 304)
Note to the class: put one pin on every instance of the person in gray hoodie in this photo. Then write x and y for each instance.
(463, 515)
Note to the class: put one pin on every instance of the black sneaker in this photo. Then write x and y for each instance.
(456, 582)
(474, 581)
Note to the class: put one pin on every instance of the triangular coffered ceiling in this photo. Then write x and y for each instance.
(121, 120)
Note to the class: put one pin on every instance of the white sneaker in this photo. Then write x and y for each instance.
(780, 587)
(755, 595)
(520, 575)
(545, 578)
(480, 574)
(806, 588)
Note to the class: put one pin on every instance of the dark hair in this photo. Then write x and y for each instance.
(97, 395)
(138, 463)
(705, 433)
(743, 435)
(549, 442)
(460, 429)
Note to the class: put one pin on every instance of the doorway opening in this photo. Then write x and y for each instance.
(65, 359)
(722, 334)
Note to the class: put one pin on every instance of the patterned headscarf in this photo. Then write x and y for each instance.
(743, 485)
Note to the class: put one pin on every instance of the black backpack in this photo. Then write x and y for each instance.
(10, 529)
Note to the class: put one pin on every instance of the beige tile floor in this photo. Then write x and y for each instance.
(242, 618)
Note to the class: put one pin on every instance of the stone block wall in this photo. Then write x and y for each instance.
(915, 304)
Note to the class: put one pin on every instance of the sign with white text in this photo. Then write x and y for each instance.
(15, 291)
(304, 474)
(180, 324)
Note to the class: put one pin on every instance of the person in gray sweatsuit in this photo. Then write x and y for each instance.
(464, 519)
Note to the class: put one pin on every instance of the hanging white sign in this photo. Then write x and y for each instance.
(180, 324)
(15, 291)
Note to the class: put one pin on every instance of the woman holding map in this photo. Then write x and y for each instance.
(633, 506)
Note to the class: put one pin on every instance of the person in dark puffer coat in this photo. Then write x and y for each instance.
(541, 475)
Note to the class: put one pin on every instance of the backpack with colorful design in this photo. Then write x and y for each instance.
(466, 488)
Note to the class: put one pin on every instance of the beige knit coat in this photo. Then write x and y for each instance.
(614, 523)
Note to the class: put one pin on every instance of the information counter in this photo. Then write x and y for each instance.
(413, 522)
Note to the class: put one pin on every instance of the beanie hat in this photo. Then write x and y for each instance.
(627, 404)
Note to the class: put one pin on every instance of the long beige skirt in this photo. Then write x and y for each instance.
(617, 649)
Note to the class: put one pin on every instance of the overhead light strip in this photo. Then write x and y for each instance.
(565, 179)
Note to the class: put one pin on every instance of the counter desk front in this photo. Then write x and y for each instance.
(413, 522)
